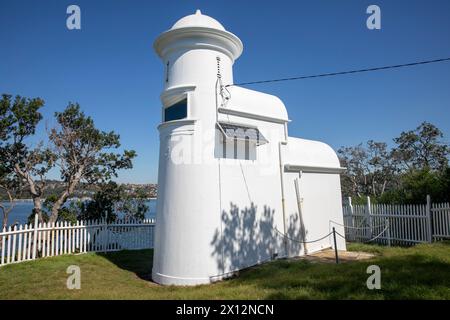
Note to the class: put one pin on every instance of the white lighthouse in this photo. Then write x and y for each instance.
(233, 189)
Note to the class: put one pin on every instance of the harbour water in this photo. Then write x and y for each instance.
(23, 209)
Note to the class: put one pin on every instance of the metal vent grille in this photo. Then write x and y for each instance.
(241, 132)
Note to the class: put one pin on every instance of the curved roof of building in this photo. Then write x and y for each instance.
(198, 20)
(256, 103)
(302, 152)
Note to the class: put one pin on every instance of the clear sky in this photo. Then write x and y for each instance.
(110, 68)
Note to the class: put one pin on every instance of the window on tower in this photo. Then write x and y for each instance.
(176, 111)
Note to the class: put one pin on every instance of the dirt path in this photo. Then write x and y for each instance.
(328, 256)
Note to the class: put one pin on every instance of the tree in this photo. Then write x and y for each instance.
(103, 203)
(9, 185)
(112, 200)
(22, 166)
(370, 169)
(414, 186)
(354, 179)
(421, 148)
(68, 213)
(5, 174)
(382, 165)
(415, 167)
(133, 205)
(82, 153)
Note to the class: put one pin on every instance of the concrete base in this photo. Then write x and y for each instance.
(167, 280)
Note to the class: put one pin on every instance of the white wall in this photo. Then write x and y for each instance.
(320, 194)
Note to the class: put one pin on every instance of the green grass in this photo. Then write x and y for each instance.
(420, 272)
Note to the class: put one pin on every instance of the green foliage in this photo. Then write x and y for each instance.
(84, 151)
(422, 148)
(445, 184)
(19, 164)
(369, 169)
(103, 203)
(18, 121)
(360, 200)
(134, 206)
(416, 184)
(68, 213)
(18, 118)
(415, 167)
(30, 219)
(84, 154)
(111, 201)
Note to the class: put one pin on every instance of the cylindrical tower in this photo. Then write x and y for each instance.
(193, 51)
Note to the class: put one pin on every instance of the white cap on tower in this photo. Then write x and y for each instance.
(198, 31)
(198, 20)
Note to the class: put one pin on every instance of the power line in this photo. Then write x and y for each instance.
(342, 72)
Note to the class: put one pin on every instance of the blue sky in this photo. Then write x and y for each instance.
(109, 66)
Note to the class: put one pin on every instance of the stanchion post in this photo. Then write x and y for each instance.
(335, 246)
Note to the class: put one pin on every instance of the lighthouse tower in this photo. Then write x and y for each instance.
(234, 189)
(193, 51)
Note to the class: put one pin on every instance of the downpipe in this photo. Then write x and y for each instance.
(283, 205)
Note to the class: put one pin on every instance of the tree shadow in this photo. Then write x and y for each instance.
(295, 235)
(139, 262)
(249, 237)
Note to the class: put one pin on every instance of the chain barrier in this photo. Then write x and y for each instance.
(373, 227)
(370, 240)
(334, 233)
(295, 240)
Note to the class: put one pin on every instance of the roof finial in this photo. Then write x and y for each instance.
(198, 12)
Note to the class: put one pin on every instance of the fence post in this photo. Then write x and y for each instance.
(388, 229)
(105, 235)
(352, 229)
(36, 224)
(369, 218)
(335, 246)
(429, 219)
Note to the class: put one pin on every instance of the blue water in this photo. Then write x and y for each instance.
(22, 211)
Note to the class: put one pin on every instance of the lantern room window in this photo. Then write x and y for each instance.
(176, 111)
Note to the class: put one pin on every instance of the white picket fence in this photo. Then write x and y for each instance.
(397, 224)
(38, 240)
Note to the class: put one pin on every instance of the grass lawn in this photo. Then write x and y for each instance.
(420, 272)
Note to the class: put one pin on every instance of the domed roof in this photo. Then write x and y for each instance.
(198, 31)
(256, 103)
(310, 153)
(198, 20)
